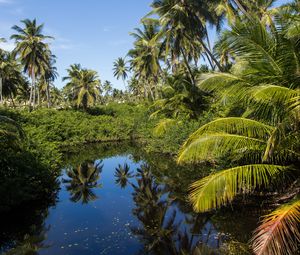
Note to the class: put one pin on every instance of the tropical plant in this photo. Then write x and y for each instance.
(145, 57)
(32, 51)
(120, 69)
(10, 77)
(83, 86)
(262, 144)
(183, 24)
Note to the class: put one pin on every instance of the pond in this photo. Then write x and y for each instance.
(118, 199)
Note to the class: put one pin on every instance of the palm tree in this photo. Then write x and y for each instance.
(84, 85)
(48, 76)
(32, 50)
(107, 87)
(10, 76)
(146, 56)
(120, 69)
(262, 143)
(182, 26)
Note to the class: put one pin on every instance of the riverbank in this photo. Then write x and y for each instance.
(50, 133)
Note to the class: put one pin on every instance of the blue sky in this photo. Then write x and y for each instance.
(92, 32)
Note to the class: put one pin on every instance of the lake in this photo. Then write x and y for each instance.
(118, 199)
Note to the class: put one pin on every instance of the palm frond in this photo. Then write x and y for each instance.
(214, 145)
(220, 188)
(234, 125)
(279, 232)
(162, 127)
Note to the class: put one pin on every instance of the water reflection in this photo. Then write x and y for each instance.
(123, 174)
(82, 180)
(32, 243)
(143, 210)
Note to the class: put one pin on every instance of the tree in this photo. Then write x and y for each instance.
(262, 143)
(32, 51)
(145, 57)
(183, 29)
(120, 69)
(11, 78)
(107, 87)
(48, 76)
(84, 85)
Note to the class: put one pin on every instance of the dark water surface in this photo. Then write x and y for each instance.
(140, 208)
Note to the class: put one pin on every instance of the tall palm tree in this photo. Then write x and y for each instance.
(48, 76)
(32, 51)
(120, 69)
(146, 56)
(10, 76)
(183, 28)
(107, 87)
(84, 84)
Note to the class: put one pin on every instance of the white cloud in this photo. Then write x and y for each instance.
(8, 46)
(63, 46)
(6, 1)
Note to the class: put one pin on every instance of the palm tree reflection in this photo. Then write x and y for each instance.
(123, 174)
(160, 231)
(83, 180)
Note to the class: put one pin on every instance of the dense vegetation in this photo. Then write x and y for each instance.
(239, 113)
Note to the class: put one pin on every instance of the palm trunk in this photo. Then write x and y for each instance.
(31, 89)
(211, 55)
(34, 95)
(48, 95)
(38, 96)
(242, 8)
(12, 100)
(1, 90)
(188, 67)
(209, 61)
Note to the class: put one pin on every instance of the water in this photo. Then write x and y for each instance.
(139, 209)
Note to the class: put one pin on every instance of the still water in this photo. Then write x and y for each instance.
(117, 199)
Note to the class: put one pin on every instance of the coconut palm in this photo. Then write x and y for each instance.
(83, 85)
(32, 51)
(262, 144)
(48, 76)
(120, 69)
(183, 28)
(107, 87)
(10, 76)
(146, 56)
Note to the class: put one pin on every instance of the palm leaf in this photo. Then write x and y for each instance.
(162, 127)
(279, 232)
(220, 188)
(234, 125)
(213, 145)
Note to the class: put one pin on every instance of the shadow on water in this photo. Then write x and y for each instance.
(117, 199)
